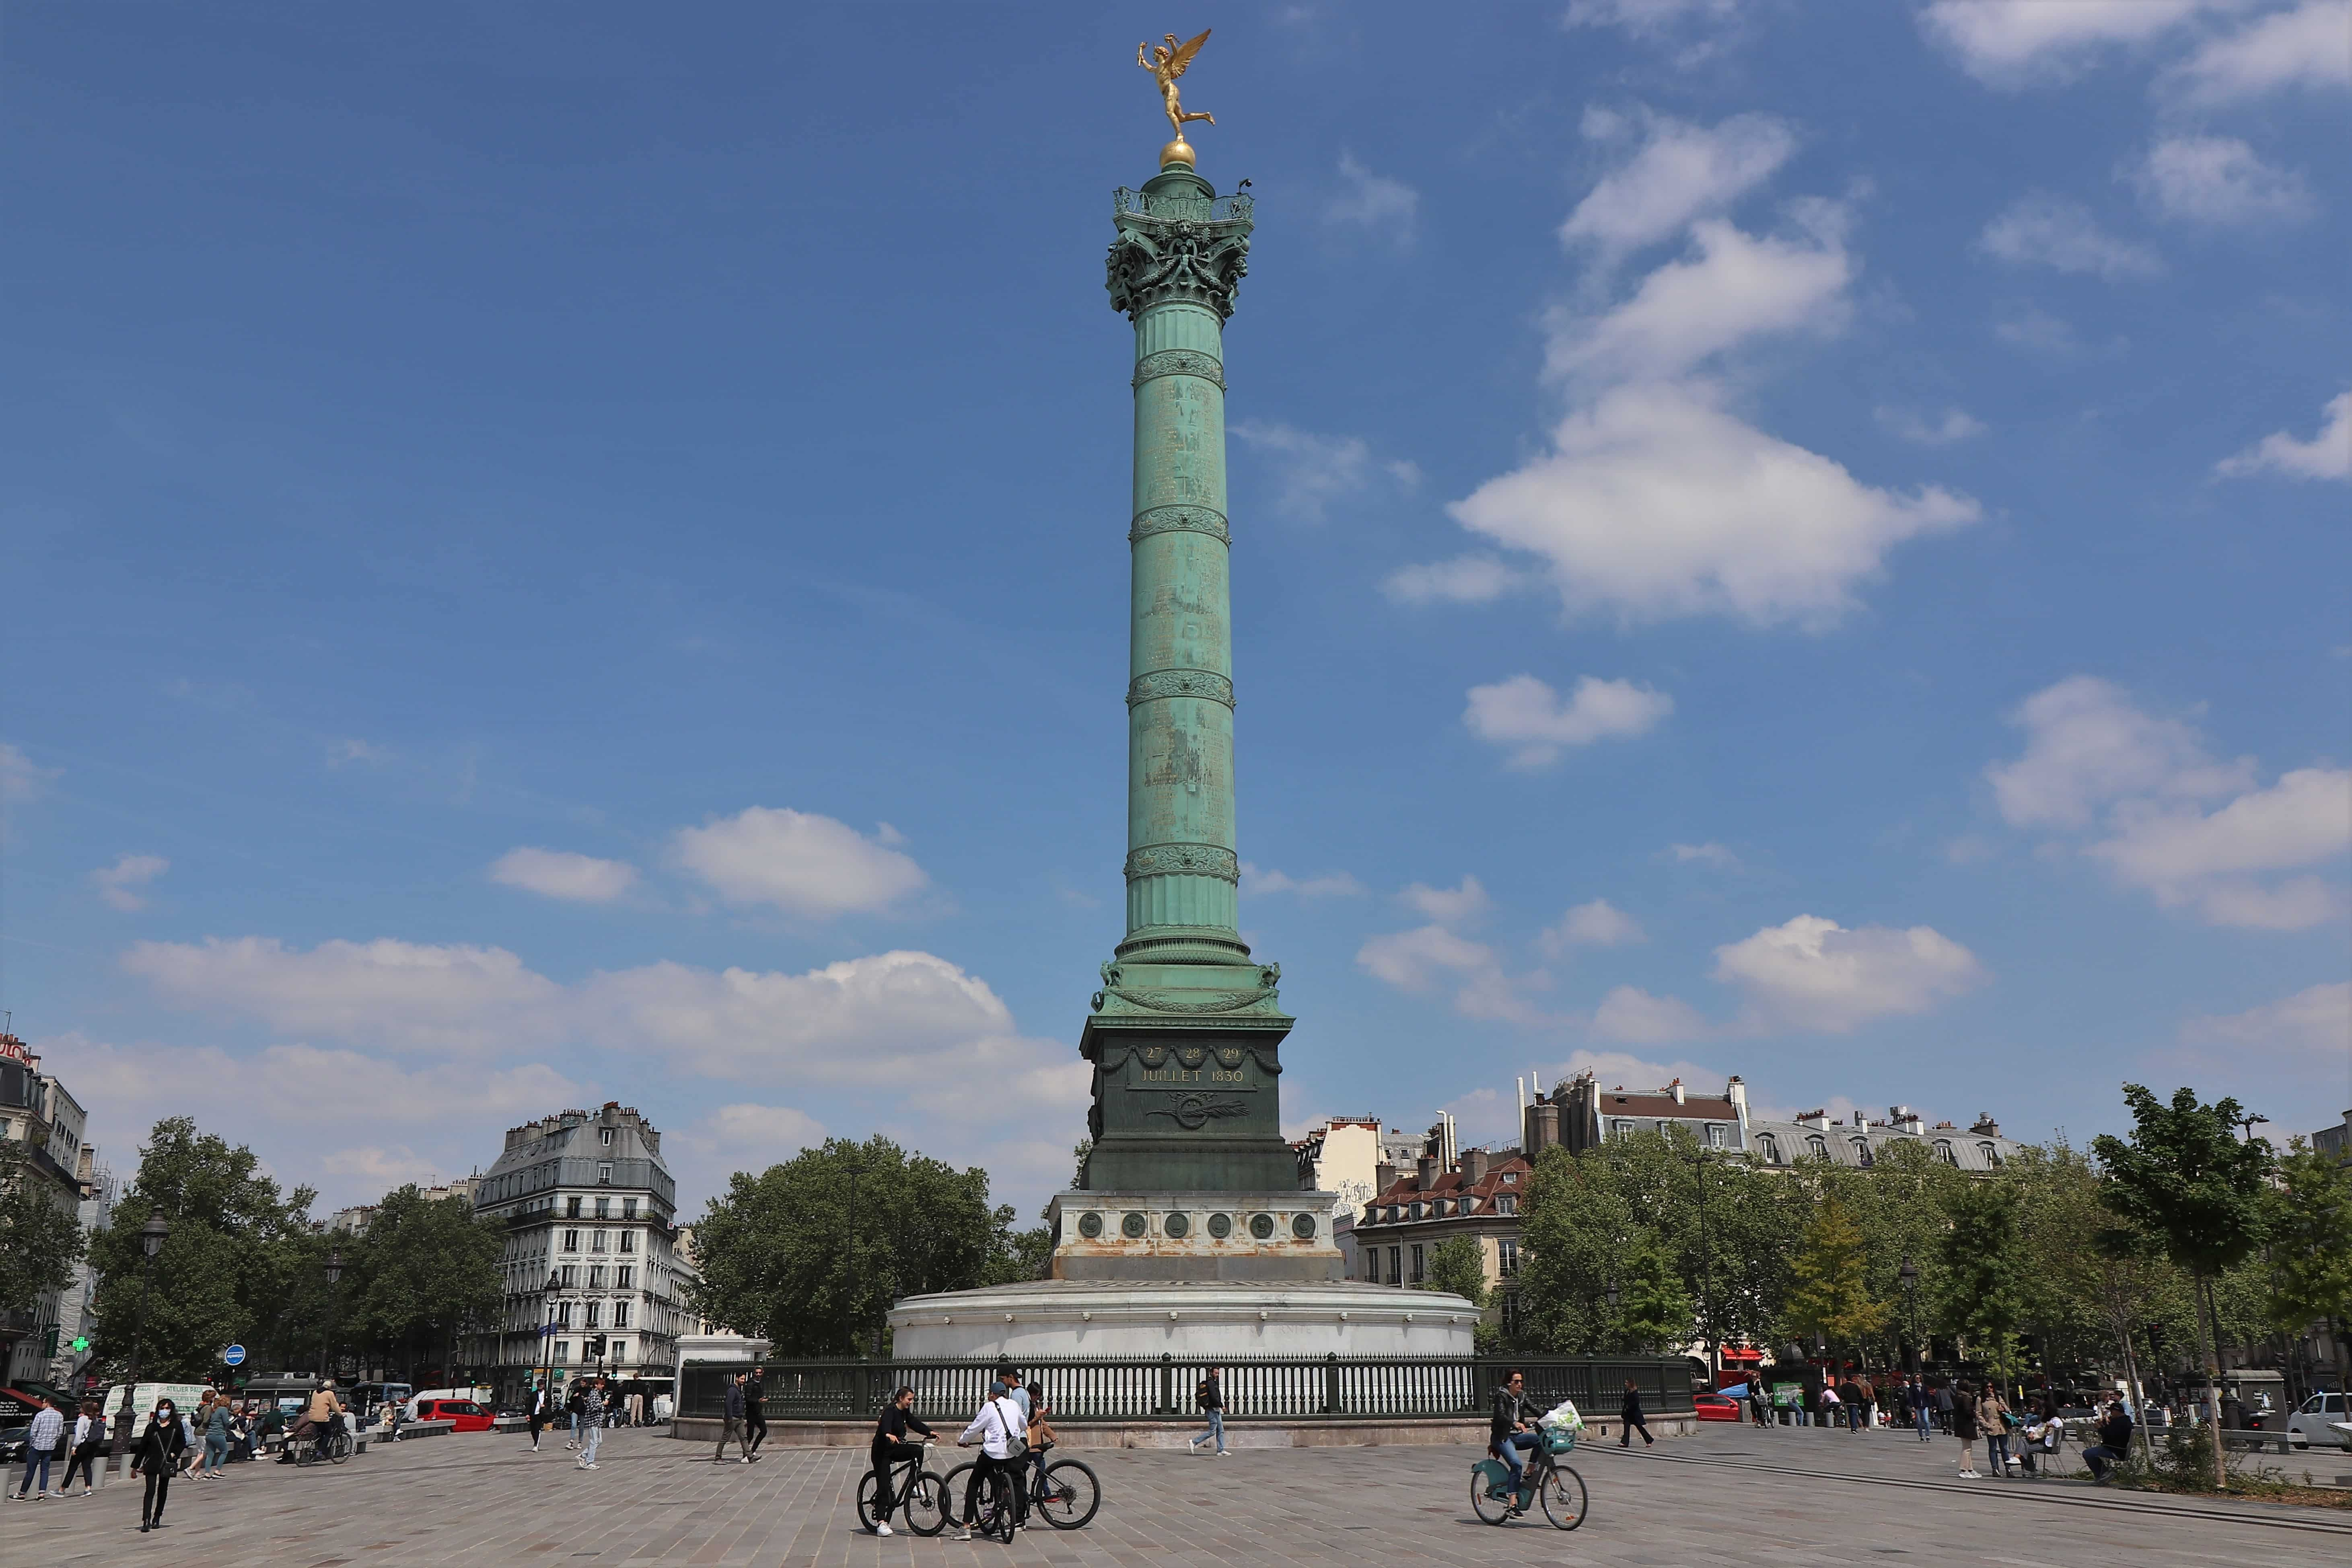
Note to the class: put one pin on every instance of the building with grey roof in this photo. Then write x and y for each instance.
(1858, 1141)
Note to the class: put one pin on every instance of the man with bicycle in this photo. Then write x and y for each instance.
(1511, 1431)
(889, 1447)
(1001, 1430)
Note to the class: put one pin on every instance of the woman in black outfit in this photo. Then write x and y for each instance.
(1629, 1418)
(156, 1451)
(889, 1447)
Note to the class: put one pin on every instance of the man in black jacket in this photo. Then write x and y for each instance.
(1511, 1429)
(2114, 1446)
(755, 1410)
(1629, 1417)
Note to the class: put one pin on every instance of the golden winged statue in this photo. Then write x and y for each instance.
(1166, 63)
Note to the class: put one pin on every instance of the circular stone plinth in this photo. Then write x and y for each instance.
(1051, 1319)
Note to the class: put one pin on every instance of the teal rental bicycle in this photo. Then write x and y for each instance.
(1542, 1478)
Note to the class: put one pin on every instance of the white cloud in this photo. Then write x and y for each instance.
(1656, 503)
(2093, 757)
(20, 780)
(1312, 472)
(1420, 959)
(376, 1167)
(1680, 171)
(1452, 905)
(2303, 47)
(1705, 854)
(342, 752)
(2009, 43)
(2317, 1022)
(1598, 923)
(1525, 712)
(770, 1133)
(2218, 180)
(1955, 425)
(1466, 580)
(115, 884)
(2035, 330)
(1628, 1013)
(560, 873)
(2327, 455)
(1734, 286)
(1329, 884)
(2087, 744)
(1373, 202)
(1695, 28)
(1814, 973)
(2051, 231)
(803, 864)
(398, 993)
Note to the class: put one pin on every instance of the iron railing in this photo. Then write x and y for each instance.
(1275, 1388)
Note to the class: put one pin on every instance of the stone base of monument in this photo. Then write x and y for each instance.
(1264, 1237)
(1192, 1319)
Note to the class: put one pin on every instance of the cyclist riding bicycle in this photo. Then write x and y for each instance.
(1511, 1431)
(891, 1446)
(320, 1417)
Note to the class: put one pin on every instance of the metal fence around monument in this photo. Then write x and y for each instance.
(1281, 1388)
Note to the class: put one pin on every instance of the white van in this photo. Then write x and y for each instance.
(2323, 1419)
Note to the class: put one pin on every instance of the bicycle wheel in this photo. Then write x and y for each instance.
(866, 1502)
(995, 1508)
(927, 1504)
(1485, 1503)
(1563, 1498)
(951, 1490)
(1071, 1495)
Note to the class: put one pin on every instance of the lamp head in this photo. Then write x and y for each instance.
(335, 1266)
(1906, 1273)
(151, 1234)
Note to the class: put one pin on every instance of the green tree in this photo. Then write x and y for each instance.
(40, 1242)
(788, 1254)
(1830, 1279)
(238, 1267)
(1458, 1264)
(1653, 1309)
(425, 1274)
(1574, 1230)
(2310, 1230)
(2185, 1179)
(1983, 1254)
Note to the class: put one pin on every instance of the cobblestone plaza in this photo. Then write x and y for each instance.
(1724, 1496)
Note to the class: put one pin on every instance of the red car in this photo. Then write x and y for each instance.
(468, 1416)
(1719, 1407)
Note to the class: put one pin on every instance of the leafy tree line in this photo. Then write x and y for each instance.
(2153, 1250)
(245, 1263)
(40, 1242)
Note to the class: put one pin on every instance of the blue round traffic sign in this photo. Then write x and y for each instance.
(234, 1355)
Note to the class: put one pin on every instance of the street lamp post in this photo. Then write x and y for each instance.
(151, 1241)
(1706, 1274)
(334, 1273)
(857, 1168)
(1910, 1278)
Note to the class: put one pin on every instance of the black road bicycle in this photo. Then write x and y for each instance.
(920, 1493)
(1066, 1493)
(334, 1444)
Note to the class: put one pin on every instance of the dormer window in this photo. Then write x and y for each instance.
(1770, 1148)
(1818, 1147)
(1510, 1178)
(1860, 1151)
(605, 1174)
(1991, 1154)
(604, 1136)
(1943, 1151)
(1468, 1206)
(1506, 1205)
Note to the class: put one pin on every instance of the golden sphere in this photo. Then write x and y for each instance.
(1179, 152)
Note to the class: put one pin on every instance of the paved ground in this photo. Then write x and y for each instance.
(1729, 1494)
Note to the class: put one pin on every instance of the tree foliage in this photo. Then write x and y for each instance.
(425, 1273)
(40, 1242)
(1830, 1293)
(793, 1255)
(239, 1266)
(1458, 1264)
(2310, 1231)
(1983, 1254)
(1654, 1309)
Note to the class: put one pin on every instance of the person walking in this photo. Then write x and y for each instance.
(755, 1410)
(536, 1415)
(155, 1453)
(1211, 1397)
(1923, 1409)
(218, 1422)
(1759, 1403)
(1001, 1429)
(88, 1432)
(1866, 1401)
(592, 1418)
(1944, 1404)
(1964, 1427)
(571, 1411)
(1629, 1418)
(734, 1426)
(40, 1442)
(889, 1447)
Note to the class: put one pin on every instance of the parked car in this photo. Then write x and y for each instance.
(468, 1416)
(2322, 1418)
(12, 1443)
(1719, 1407)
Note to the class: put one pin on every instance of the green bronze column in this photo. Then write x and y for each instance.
(1185, 1034)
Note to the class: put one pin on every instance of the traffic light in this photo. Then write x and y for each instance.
(595, 1348)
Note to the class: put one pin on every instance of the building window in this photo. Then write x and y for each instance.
(1944, 1151)
(595, 1310)
(1466, 1205)
(1508, 1257)
(1715, 1134)
(628, 1208)
(605, 1174)
(563, 1314)
(1510, 1178)
(568, 1277)
(629, 1242)
(1860, 1151)
(1991, 1155)
(1771, 1147)
(1396, 1273)
(596, 1278)
(1819, 1147)
(620, 1317)
(604, 1136)
(562, 1350)
(1506, 1205)
(571, 1241)
(596, 1241)
(1622, 1129)
(571, 1207)
(1413, 1211)
(1417, 1264)
(624, 1276)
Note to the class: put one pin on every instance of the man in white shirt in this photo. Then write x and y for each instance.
(1000, 1427)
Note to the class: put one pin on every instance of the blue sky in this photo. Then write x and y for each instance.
(577, 553)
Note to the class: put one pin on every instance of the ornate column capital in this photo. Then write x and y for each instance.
(1173, 247)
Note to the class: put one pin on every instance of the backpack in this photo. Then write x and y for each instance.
(1203, 1394)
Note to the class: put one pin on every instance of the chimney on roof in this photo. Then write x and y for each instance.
(1675, 1088)
(1986, 1127)
(1737, 1092)
(1474, 1167)
(1384, 1176)
(1429, 1169)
